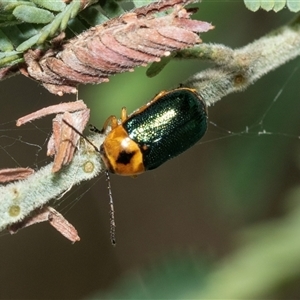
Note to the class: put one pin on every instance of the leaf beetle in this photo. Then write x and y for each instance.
(169, 124)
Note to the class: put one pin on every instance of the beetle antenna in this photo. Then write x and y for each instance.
(111, 203)
(78, 132)
(111, 212)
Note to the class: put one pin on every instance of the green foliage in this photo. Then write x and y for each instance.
(31, 14)
(276, 5)
(57, 5)
(157, 67)
(30, 24)
(174, 278)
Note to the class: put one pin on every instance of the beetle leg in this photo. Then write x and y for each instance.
(111, 121)
(124, 114)
(95, 129)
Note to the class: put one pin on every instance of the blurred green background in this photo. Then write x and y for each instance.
(219, 221)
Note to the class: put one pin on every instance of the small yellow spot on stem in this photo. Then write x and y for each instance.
(14, 210)
(88, 167)
(239, 80)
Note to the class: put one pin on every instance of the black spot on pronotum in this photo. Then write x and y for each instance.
(125, 157)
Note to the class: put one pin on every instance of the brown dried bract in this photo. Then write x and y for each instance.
(7, 175)
(63, 141)
(119, 45)
(53, 217)
(53, 109)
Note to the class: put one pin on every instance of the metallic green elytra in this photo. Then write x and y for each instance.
(163, 128)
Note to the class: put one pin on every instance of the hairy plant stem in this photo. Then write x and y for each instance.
(236, 69)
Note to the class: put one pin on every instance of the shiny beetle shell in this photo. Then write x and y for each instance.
(163, 128)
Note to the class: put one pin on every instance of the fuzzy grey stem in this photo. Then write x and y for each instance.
(20, 198)
(237, 69)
